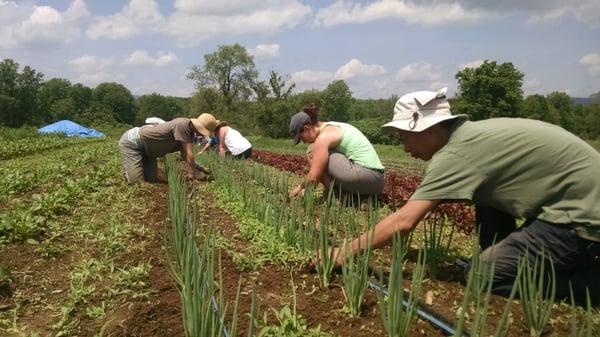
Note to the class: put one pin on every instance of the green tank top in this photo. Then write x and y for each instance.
(356, 147)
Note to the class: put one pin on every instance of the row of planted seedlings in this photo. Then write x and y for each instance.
(33, 217)
(316, 229)
(195, 266)
(19, 176)
(31, 142)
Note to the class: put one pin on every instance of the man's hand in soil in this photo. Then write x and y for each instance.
(298, 190)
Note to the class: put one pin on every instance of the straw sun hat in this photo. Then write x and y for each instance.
(206, 124)
(419, 110)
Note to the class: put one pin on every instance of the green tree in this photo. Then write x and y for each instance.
(9, 104)
(9, 75)
(156, 105)
(373, 108)
(230, 69)
(63, 108)
(561, 105)
(116, 99)
(81, 96)
(278, 85)
(22, 88)
(29, 83)
(537, 107)
(337, 99)
(8, 110)
(490, 90)
(51, 91)
(207, 100)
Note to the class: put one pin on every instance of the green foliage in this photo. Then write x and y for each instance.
(19, 103)
(116, 99)
(274, 116)
(231, 69)
(537, 290)
(278, 85)
(289, 323)
(490, 90)
(371, 128)
(355, 270)
(586, 328)
(437, 242)
(336, 99)
(372, 108)
(156, 105)
(398, 316)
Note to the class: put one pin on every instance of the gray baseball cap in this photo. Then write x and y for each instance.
(296, 123)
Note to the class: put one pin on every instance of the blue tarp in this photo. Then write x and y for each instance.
(70, 129)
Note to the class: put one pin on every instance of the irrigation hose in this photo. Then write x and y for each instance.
(215, 308)
(438, 322)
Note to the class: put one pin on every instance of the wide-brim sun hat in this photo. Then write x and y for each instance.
(420, 110)
(206, 124)
(297, 122)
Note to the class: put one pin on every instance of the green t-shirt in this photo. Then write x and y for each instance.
(356, 147)
(523, 167)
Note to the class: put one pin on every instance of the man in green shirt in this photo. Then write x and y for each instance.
(509, 168)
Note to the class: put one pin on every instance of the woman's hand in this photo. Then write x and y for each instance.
(298, 190)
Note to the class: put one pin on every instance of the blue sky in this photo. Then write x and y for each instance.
(379, 47)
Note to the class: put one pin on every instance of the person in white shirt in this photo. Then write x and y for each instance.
(231, 141)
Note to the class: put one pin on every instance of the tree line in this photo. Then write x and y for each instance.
(228, 86)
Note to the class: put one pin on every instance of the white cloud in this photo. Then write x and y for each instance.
(592, 63)
(92, 70)
(265, 51)
(190, 24)
(436, 85)
(586, 11)
(418, 72)
(311, 76)
(428, 14)
(87, 63)
(531, 85)
(355, 68)
(142, 58)
(22, 24)
(135, 17)
(223, 7)
(440, 12)
(472, 64)
(77, 10)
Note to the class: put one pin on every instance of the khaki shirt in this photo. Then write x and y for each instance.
(167, 137)
(523, 167)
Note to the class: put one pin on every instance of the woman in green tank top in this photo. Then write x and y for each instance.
(338, 154)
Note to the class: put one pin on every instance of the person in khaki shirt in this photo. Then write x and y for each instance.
(141, 146)
(509, 168)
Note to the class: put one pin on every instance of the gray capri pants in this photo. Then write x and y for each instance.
(136, 164)
(351, 177)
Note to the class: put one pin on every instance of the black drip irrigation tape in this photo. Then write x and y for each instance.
(438, 322)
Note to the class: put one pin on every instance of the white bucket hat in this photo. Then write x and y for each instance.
(419, 110)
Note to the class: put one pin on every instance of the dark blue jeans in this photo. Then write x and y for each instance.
(576, 260)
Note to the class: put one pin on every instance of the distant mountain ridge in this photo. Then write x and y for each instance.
(581, 100)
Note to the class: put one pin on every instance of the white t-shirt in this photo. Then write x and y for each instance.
(235, 142)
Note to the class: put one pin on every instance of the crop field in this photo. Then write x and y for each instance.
(84, 254)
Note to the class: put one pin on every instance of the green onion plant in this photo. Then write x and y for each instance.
(398, 316)
(537, 291)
